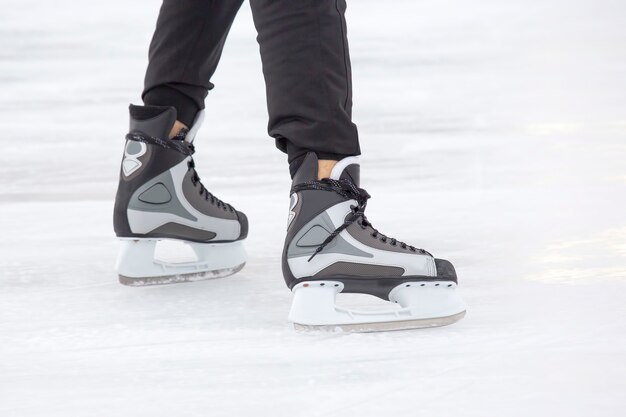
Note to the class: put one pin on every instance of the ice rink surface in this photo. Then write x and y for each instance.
(494, 134)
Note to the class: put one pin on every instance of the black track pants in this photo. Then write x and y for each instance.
(306, 64)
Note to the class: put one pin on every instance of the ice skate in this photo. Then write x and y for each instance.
(160, 196)
(332, 248)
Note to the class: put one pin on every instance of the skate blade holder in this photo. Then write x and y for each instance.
(137, 266)
(421, 305)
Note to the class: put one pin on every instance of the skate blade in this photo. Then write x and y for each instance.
(382, 326)
(136, 264)
(428, 304)
(179, 278)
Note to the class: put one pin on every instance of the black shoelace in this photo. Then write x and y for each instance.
(178, 144)
(195, 179)
(350, 191)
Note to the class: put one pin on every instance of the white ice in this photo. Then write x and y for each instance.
(493, 134)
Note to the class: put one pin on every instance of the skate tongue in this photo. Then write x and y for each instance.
(191, 135)
(348, 169)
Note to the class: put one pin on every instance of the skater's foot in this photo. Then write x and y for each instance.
(325, 167)
(177, 128)
(160, 196)
(332, 247)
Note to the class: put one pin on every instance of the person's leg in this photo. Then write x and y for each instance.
(184, 53)
(306, 64)
(331, 246)
(160, 195)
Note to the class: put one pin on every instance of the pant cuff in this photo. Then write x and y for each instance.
(163, 95)
(295, 155)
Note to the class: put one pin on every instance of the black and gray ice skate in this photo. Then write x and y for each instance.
(331, 248)
(160, 196)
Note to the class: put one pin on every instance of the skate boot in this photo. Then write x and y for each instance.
(332, 248)
(160, 196)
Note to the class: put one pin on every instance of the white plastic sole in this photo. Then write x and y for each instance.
(422, 304)
(137, 266)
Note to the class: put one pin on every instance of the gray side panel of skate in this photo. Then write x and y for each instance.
(360, 270)
(157, 194)
(175, 229)
(313, 237)
(320, 227)
(173, 206)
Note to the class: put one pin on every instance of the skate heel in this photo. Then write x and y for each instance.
(422, 304)
(428, 300)
(314, 302)
(137, 266)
